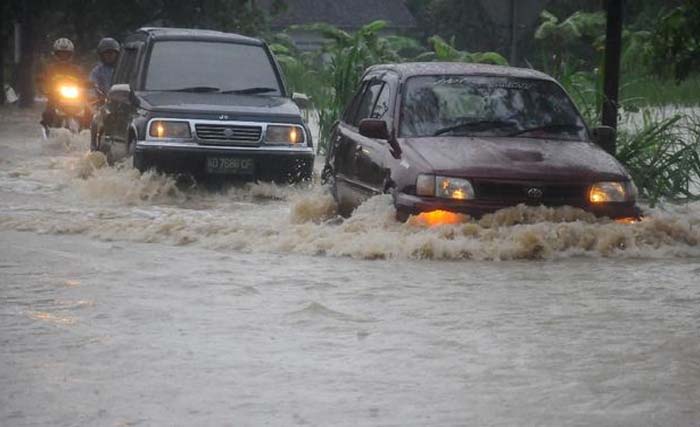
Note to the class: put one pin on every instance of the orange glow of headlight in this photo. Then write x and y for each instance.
(69, 92)
(459, 194)
(628, 220)
(294, 136)
(597, 196)
(439, 217)
(160, 130)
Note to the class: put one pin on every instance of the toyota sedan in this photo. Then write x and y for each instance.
(472, 139)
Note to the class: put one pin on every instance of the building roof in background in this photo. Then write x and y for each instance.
(342, 14)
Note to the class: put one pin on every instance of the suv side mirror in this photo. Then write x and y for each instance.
(302, 100)
(374, 128)
(120, 93)
(604, 136)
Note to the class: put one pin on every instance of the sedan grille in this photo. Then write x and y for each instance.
(539, 193)
(228, 134)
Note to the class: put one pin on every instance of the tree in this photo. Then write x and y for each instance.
(675, 44)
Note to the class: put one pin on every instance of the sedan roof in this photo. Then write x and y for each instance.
(409, 69)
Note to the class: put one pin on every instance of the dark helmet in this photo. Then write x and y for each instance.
(106, 44)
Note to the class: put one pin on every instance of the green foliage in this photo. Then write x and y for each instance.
(575, 27)
(649, 90)
(331, 76)
(663, 156)
(675, 44)
(444, 51)
(566, 42)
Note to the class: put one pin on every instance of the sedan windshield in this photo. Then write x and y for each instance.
(488, 106)
(197, 66)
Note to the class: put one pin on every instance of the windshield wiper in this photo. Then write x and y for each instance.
(197, 89)
(251, 90)
(549, 126)
(489, 124)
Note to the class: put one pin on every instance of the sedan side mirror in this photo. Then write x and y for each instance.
(604, 136)
(121, 93)
(374, 128)
(378, 129)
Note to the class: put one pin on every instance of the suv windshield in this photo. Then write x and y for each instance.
(488, 106)
(199, 66)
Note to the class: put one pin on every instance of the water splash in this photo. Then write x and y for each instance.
(76, 192)
(520, 232)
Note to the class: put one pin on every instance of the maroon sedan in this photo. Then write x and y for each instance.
(471, 139)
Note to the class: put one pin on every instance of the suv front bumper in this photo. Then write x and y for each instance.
(270, 163)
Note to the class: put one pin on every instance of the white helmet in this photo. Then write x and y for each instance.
(63, 45)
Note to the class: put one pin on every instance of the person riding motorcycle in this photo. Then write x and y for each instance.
(61, 65)
(108, 51)
(101, 76)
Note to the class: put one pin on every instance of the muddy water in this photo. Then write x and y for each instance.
(128, 299)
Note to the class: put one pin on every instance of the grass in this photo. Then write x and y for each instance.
(663, 156)
(650, 91)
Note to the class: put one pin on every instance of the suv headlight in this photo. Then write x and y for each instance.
(612, 191)
(444, 187)
(169, 129)
(284, 134)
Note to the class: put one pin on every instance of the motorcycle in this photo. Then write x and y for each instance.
(70, 104)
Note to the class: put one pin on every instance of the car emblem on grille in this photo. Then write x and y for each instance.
(223, 117)
(228, 132)
(534, 193)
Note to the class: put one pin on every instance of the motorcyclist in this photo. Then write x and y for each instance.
(101, 76)
(61, 64)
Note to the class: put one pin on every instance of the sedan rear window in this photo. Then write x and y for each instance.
(199, 66)
(488, 106)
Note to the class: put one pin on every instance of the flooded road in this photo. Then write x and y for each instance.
(128, 300)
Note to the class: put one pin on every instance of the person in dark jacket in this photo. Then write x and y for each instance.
(61, 64)
(101, 76)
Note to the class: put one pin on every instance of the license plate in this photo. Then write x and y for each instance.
(230, 165)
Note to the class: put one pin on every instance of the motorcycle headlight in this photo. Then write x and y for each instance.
(444, 187)
(612, 191)
(169, 129)
(284, 134)
(68, 91)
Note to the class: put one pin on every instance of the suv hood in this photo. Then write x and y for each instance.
(513, 158)
(217, 103)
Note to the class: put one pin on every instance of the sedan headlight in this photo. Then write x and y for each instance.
(169, 129)
(444, 187)
(284, 134)
(612, 191)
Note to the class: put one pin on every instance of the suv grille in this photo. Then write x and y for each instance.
(552, 194)
(228, 134)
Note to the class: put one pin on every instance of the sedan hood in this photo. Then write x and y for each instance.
(512, 158)
(216, 103)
